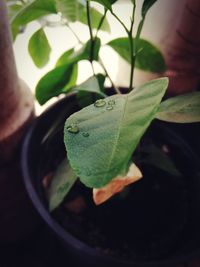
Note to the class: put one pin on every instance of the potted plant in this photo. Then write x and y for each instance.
(110, 144)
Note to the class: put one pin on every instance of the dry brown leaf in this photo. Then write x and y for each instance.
(116, 185)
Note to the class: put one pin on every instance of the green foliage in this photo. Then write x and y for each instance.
(148, 57)
(181, 109)
(63, 77)
(68, 9)
(93, 85)
(65, 57)
(76, 11)
(39, 48)
(147, 4)
(31, 11)
(95, 18)
(62, 181)
(101, 138)
(106, 3)
(13, 9)
(55, 82)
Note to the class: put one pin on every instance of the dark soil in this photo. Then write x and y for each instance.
(148, 220)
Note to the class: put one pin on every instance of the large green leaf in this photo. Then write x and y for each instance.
(147, 4)
(148, 58)
(181, 109)
(101, 138)
(30, 12)
(62, 181)
(39, 48)
(55, 82)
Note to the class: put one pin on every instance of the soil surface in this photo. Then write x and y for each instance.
(145, 221)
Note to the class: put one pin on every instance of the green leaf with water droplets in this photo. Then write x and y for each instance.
(180, 109)
(62, 181)
(113, 133)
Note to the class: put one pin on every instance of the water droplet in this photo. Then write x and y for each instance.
(109, 107)
(73, 128)
(111, 102)
(85, 134)
(100, 103)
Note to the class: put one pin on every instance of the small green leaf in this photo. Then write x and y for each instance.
(76, 11)
(92, 85)
(64, 76)
(71, 56)
(32, 11)
(180, 109)
(106, 3)
(149, 58)
(65, 58)
(54, 83)
(39, 48)
(62, 181)
(114, 127)
(147, 4)
(95, 18)
(13, 9)
(68, 8)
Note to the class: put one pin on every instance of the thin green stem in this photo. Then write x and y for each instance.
(89, 19)
(101, 22)
(108, 75)
(120, 21)
(74, 33)
(91, 35)
(132, 47)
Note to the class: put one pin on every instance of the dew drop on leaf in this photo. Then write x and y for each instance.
(109, 107)
(100, 103)
(111, 102)
(85, 134)
(73, 128)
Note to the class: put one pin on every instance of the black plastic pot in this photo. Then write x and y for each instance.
(44, 142)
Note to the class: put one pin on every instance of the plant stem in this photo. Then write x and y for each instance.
(74, 33)
(90, 29)
(107, 74)
(120, 21)
(101, 22)
(132, 47)
(91, 34)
